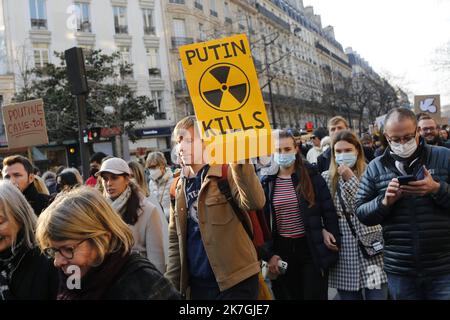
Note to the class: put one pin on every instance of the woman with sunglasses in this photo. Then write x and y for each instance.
(25, 274)
(92, 247)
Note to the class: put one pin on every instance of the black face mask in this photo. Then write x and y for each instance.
(93, 171)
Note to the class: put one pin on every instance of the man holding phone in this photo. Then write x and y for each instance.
(407, 191)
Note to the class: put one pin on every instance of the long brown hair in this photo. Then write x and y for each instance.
(360, 164)
(305, 187)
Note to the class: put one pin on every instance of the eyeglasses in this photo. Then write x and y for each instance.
(431, 129)
(405, 139)
(66, 251)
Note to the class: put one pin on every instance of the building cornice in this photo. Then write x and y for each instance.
(42, 36)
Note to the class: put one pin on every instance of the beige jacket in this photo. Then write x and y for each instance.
(150, 234)
(230, 251)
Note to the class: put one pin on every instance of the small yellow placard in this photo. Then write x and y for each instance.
(228, 103)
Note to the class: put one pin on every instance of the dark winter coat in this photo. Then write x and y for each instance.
(416, 230)
(321, 215)
(35, 278)
(38, 201)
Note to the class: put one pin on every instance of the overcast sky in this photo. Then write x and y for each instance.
(397, 36)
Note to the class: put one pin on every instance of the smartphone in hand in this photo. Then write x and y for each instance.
(404, 180)
(420, 175)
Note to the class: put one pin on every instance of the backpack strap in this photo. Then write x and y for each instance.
(224, 187)
(173, 190)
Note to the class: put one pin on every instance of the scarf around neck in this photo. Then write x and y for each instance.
(120, 203)
(97, 281)
(9, 261)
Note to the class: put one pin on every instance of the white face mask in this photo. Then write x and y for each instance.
(404, 150)
(155, 174)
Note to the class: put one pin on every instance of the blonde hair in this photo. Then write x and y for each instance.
(360, 165)
(335, 120)
(15, 206)
(138, 174)
(83, 213)
(183, 125)
(156, 157)
(40, 185)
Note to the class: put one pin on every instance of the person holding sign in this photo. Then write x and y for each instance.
(210, 251)
(19, 171)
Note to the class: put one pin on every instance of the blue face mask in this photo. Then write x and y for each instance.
(349, 159)
(284, 160)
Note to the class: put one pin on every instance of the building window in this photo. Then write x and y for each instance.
(201, 30)
(41, 55)
(179, 28)
(198, 4)
(157, 97)
(125, 55)
(212, 8)
(38, 14)
(153, 62)
(149, 28)
(83, 17)
(120, 20)
(227, 10)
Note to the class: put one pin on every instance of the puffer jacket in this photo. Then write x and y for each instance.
(321, 215)
(416, 230)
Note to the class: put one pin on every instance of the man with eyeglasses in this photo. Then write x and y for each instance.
(429, 130)
(415, 216)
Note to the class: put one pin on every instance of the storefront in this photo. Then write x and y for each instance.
(151, 139)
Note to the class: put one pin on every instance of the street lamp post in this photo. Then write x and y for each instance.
(269, 80)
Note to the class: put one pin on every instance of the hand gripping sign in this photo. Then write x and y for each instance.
(228, 103)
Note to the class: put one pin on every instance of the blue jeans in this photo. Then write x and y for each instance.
(365, 294)
(245, 290)
(419, 288)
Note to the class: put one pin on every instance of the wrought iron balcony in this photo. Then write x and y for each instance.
(181, 41)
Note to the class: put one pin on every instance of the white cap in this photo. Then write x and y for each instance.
(114, 166)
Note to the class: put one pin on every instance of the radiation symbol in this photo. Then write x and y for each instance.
(224, 87)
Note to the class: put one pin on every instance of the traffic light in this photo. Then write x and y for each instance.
(91, 135)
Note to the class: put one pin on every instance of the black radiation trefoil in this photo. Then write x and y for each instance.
(224, 87)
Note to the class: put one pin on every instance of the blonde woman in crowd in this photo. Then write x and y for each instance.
(40, 185)
(137, 173)
(25, 274)
(353, 274)
(80, 229)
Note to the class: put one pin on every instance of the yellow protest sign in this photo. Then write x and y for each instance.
(228, 103)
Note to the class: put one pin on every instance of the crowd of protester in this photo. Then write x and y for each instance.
(330, 212)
